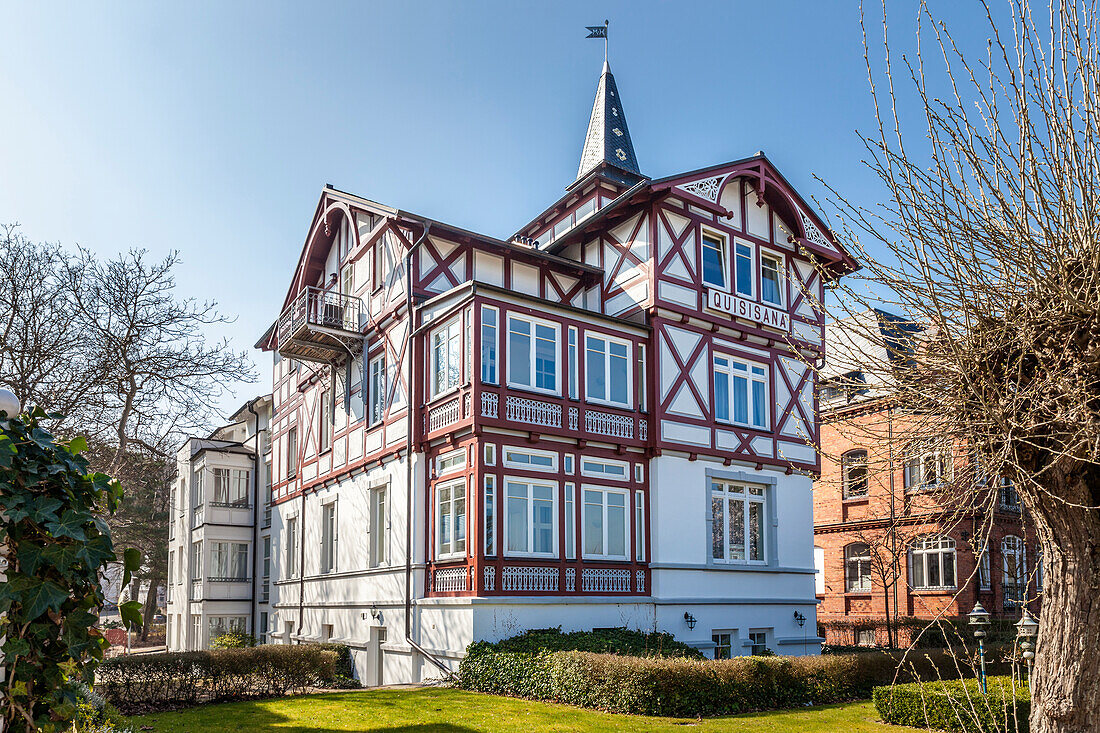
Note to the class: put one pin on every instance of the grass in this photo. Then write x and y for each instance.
(441, 710)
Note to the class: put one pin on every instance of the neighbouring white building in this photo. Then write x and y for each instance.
(604, 420)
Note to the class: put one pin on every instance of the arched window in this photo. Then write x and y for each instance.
(1014, 564)
(857, 568)
(932, 563)
(853, 466)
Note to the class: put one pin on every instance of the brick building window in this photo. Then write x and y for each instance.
(857, 568)
(927, 467)
(1014, 564)
(854, 469)
(932, 563)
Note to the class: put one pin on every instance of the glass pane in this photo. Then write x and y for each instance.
(543, 523)
(737, 529)
(546, 358)
(593, 523)
(620, 369)
(744, 270)
(756, 531)
(721, 396)
(714, 269)
(948, 569)
(488, 351)
(517, 518)
(717, 522)
(759, 405)
(595, 369)
(519, 353)
(770, 281)
(740, 399)
(616, 525)
(933, 570)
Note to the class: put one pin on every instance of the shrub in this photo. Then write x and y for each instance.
(681, 686)
(601, 641)
(343, 677)
(957, 705)
(178, 679)
(233, 640)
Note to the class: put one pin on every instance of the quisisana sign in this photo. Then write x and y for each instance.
(749, 310)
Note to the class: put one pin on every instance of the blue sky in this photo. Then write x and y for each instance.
(211, 127)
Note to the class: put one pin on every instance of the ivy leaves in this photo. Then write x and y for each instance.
(56, 543)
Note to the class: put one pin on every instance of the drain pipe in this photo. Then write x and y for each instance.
(408, 454)
(255, 508)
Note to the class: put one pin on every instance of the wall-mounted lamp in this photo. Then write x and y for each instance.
(689, 620)
(799, 619)
(375, 614)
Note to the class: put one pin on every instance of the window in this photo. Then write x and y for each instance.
(865, 637)
(758, 642)
(715, 261)
(532, 460)
(451, 519)
(771, 283)
(744, 270)
(857, 568)
(985, 577)
(530, 520)
(231, 487)
(292, 547)
(570, 525)
(376, 264)
(446, 358)
(932, 563)
(1039, 570)
(490, 454)
(639, 526)
(222, 625)
(723, 644)
(377, 389)
(379, 527)
(737, 517)
(325, 421)
(532, 354)
(573, 368)
(598, 468)
(292, 453)
(1014, 566)
(263, 627)
(450, 462)
(740, 392)
(265, 587)
(819, 571)
(1010, 499)
(639, 473)
(607, 370)
(642, 404)
(927, 468)
(329, 532)
(228, 561)
(197, 498)
(490, 515)
(567, 463)
(605, 523)
(489, 327)
(854, 472)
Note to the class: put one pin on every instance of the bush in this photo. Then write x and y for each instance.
(957, 705)
(601, 641)
(688, 687)
(94, 714)
(234, 640)
(146, 682)
(343, 677)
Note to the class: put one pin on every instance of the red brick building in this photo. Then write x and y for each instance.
(906, 529)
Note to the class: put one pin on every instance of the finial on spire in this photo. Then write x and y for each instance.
(598, 31)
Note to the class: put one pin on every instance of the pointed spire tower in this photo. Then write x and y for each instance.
(607, 146)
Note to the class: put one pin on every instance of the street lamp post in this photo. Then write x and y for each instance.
(979, 621)
(1027, 628)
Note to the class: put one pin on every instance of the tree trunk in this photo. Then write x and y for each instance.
(150, 608)
(1066, 679)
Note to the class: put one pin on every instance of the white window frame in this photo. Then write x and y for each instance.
(863, 583)
(379, 526)
(751, 377)
(855, 459)
(627, 534)
(753, 257)
(753, 643)
(490, 454)
(918, 457)
(509, 462)
(747, 494)
(607, 341)
(716, 637)
(490, 361)
(330, 537)
(568, 463)
(574, 362)
(781, 272)
(570, 513)
(530, 483)
(325, 425)
(1014, 545)
(985, 570)
(534, 322)
(933, 546)
(450, 336)
(292, 557)
(489, 529)
(377, 389)
(586, 461)
(455, 525)
(639, 526)
(724, 256)
(450, 462)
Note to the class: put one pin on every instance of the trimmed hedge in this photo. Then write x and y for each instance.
(143, 682)
(957, 705)
(601, 641)
(682, 687)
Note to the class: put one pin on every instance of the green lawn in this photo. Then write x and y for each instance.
(455, 711)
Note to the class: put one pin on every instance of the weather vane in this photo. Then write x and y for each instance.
(599, 31)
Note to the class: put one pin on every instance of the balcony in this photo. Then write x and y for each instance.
(321, 326)
(538, 413)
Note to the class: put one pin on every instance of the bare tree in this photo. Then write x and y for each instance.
(990, 237)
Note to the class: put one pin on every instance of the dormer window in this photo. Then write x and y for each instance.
(715, 261)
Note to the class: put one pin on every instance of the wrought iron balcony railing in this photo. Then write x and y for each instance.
(320, 325)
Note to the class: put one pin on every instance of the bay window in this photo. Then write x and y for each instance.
(446, 358)
(932, 563)
(489, 326)
(771, 280)
(532, 354)
(451, 519)
(570, 521)
(715, 261)
(607, 370)
(740, 392)
(530, 518)
(231, 487)
(228, 561)
(605, 523)
(737, 522)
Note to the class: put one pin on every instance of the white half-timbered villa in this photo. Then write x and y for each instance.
(600, 421)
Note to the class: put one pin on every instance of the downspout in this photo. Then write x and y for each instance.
(409, 451)
(255, 508)
(896, 569)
